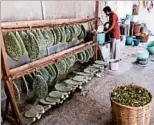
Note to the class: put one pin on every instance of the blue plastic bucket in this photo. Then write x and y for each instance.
(101, 38)
(129, 40)
(136, 42)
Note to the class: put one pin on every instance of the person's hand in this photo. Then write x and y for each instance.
(104, 32)
(100, 22)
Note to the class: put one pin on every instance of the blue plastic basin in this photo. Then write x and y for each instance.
(136, 42)
(150, 47)
(101, 38)
(129, 40)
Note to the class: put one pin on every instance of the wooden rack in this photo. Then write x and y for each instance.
(11, 74)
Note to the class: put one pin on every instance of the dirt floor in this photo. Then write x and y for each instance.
(92, 106)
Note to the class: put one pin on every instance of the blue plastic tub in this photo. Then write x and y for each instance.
(150, 47)
(101, 38)
(129, 40)
(136, 42)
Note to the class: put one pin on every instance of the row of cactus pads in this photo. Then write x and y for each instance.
(32, 42)
(62, 89)
(40, 81)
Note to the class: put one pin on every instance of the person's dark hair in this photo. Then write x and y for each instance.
(107, 9)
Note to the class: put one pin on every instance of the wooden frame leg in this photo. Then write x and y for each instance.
(13, 103)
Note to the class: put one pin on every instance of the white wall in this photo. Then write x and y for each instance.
(36, 10)
(125, 7)
(122, 8)
(148, 18)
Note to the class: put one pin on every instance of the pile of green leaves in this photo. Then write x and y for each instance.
(131, 95)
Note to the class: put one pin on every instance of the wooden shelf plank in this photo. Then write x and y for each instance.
(43, 62)
(36, 24)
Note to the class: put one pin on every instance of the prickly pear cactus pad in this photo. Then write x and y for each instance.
(63, 39)
(20, 41)
(46, 37)
(34, 46)
(84, 57)
(77, 30)
(51, 36)
(44, 102)
(40, 87)
(72, 32)
(24, 85)
(97, 65)
(87, 55)
(57, 94)
(56, 71)
(58, 35)
(67, 65)
(53, 71)
(80, 57)
(63, 65)
(84, 31)
(100, 62)
(68, 34)
(29, 80)
(79, 78)
(52, 75)
(31, 113)
(52, 100)
(131, 95)
(71, 82)
(42, 40)
(16, 92)
(45, 74)
(40, 109)
(35, 33)
(84, 74)
(59, 67)
(91, 51)
(70, 63)
(25, 38)
(54, 35)
(12, 46)
(91, 70)
(62, 87)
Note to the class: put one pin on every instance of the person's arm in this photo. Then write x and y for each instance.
(113, 24)
(100, 22)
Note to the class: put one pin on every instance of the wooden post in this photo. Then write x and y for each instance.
(96, 13)
(96, 26)
(8, 82)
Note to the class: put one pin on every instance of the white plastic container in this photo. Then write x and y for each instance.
(105, 50)
(114, 64)
(100, 29)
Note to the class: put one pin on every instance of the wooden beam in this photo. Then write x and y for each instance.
(10, 119)
(43, 62)
(96, 13)
(28, 25)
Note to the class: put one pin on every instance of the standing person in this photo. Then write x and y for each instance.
(114, 29)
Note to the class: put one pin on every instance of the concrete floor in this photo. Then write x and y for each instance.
(92, 105)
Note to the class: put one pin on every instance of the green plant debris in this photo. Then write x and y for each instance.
(131, 95)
